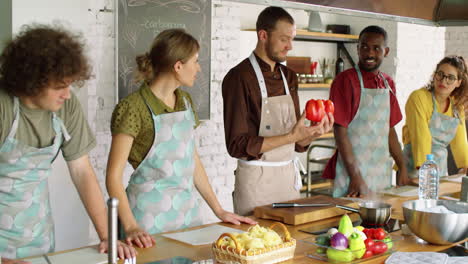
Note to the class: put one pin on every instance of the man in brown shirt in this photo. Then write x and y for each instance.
(261, 107)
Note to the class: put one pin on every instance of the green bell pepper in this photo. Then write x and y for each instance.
(356, 245)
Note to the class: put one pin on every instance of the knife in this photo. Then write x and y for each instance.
(288, 205)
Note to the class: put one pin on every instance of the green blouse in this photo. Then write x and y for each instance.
(131, 116)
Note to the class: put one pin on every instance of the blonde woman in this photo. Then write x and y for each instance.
(152, 129)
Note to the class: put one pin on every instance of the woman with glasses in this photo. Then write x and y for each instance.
(435, 118)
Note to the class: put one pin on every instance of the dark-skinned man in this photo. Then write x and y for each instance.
(366, 112)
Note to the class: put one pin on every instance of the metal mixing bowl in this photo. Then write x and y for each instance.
(437, 228)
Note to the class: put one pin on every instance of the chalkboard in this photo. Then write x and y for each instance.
(139, 21)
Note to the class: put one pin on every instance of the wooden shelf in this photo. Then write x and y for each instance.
(323, 184)
(327, 136)
(302, 34)
(314, 86)
(326, 37)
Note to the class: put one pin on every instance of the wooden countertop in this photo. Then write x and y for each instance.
(167, 248)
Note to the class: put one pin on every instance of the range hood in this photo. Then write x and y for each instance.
(428, 12)
(441, 12)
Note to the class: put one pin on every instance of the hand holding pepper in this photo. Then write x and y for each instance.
(316, 109)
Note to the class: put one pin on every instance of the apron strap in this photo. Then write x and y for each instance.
(285, 82)
(261, 80)
(434, 107)
(265, 163)
(387, 86)
(64, 130)
(361, 82)
(187, 104)
(454, 109)
(188, 107)
(14, 127)
(55, 118)
(258, 73)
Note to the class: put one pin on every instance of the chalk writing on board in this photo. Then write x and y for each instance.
(141, 20)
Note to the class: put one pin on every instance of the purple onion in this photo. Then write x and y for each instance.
(339, 241)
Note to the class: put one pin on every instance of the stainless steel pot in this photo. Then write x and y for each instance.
(372, 213)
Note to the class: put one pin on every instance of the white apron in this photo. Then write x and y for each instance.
(275, 177)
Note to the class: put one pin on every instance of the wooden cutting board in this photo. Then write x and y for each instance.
(301, 215)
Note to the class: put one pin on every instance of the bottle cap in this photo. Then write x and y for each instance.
(430, 156)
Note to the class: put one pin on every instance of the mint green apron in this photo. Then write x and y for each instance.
(161, 190)
(368, 133)
(443, 129)
(26, 225)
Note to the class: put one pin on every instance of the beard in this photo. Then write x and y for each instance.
(367, 68)
(272, 55)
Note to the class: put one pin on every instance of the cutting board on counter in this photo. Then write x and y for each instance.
(301, 215)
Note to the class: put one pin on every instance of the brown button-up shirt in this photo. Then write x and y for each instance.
(243, 105)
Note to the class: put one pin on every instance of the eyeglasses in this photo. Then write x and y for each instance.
(440, 76)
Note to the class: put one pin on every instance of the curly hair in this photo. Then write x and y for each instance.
(459, 94)
(40, 54)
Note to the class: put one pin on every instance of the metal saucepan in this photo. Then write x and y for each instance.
(372, 213)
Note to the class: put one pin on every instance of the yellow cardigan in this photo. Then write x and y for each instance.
(419, 108)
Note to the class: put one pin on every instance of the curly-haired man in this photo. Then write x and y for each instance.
(40, 116)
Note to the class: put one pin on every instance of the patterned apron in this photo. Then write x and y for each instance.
(26, 225)
(443, 129)
(161, 190)
(275, 177)
(368, 133)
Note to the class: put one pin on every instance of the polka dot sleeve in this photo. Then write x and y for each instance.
(126, 119)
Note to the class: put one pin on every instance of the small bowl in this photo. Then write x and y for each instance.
(437, 228)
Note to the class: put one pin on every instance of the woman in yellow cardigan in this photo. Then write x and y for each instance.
(435, 118)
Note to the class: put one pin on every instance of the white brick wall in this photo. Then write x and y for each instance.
(418, 49)
(211, 145)
(456, 41)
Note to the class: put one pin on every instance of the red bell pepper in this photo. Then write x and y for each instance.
(316, 109)
(329, 106)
